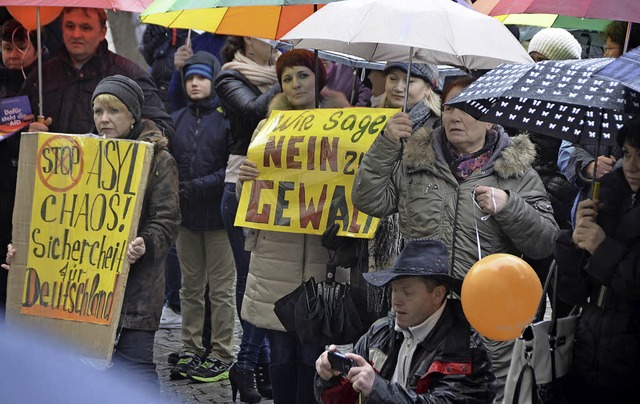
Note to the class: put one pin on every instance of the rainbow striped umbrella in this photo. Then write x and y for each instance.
(269, 19)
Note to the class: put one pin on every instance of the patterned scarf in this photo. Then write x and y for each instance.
(419, 113)
(462, 165)
(263, 77)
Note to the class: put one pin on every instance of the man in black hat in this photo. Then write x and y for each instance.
(424, 350)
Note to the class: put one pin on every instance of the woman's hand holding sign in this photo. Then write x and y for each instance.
(11, 252)
(135, 250)
(248, 171)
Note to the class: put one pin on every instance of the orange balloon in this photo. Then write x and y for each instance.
(26, 15)
(500, 296)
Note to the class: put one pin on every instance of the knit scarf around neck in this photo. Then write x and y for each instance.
(419, 114)
(263, 77)
(463, 165)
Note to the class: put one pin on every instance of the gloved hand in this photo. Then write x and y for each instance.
(186, 190)
(330, 238)
(346, 253)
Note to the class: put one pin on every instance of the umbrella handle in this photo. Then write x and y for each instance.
(331, 271)
(595, 189)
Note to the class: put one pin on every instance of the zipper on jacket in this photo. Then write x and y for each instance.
(453, 233)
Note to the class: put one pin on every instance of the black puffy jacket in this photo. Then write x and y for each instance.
(607, 286)
(244, 105)
(201, 147)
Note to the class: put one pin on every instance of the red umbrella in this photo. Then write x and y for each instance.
(622, 10)
(121, 5)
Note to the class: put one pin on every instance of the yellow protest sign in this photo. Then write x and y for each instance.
(84, 196)
(307, 161)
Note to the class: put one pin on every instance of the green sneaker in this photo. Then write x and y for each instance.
(187, 361)
(212, 370)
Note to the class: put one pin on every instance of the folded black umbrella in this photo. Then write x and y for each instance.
(321, 313)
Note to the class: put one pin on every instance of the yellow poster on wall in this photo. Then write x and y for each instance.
(307, 160)
(85, 194)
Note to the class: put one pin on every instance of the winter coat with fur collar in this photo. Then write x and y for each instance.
(432, 204)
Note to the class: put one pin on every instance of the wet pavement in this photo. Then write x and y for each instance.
(188, 391)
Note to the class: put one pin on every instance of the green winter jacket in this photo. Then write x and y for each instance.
(431, 204)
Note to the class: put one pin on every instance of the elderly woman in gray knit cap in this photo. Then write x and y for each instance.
(117, 106)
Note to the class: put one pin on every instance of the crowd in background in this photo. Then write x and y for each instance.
(202, 101)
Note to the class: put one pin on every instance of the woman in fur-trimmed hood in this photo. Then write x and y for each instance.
(447, 182)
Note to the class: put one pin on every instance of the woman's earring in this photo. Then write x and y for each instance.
(131, 127)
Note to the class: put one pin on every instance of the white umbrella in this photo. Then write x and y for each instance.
(431, 31)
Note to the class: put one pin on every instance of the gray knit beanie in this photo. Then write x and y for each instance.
(425, 71)
(127, 91)
(555, 44)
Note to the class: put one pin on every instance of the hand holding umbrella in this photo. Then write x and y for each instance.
(399, 127)
(587, 234)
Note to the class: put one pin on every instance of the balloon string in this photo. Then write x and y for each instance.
(475, 222)
(478, 240)
(493, 199)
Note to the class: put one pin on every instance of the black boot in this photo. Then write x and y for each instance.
(243, 381)
(263, 381)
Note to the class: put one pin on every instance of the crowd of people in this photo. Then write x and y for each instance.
(447, 188)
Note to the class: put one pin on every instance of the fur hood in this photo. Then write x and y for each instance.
(329, 99)
(152, 134)
(514, 156)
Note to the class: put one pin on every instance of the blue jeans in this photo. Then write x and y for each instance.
(173, 280)
(134, 356)
(254, 347)
(292, 368)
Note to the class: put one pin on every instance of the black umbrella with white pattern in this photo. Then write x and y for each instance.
(555, 98)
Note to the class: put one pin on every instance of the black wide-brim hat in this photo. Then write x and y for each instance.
(420, 257)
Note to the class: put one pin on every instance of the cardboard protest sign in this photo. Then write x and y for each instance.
(77, 206)
(307, 161)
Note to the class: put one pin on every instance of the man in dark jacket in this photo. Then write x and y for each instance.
(200, 147)
(70, 77)
(19, 54)
(425, 351)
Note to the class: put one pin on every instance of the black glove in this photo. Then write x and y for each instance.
(346, 253)
(186, 190)
(330, 238)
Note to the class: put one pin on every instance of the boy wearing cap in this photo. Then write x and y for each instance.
(200, 147)
(425, 350)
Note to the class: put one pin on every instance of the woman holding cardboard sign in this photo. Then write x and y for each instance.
(117, 106)
(280, 261)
